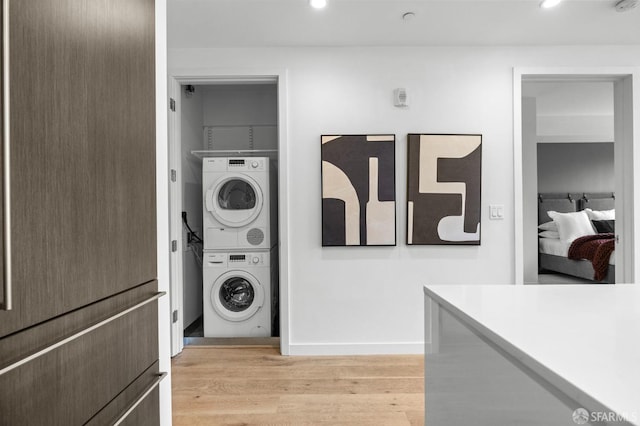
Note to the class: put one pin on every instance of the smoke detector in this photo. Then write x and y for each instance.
(626, 5)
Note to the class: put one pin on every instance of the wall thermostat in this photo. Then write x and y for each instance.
(400, 97)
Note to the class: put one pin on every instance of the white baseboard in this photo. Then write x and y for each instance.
(410, 348)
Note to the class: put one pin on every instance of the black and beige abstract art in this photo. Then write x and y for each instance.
(358, 190)
(443, 189)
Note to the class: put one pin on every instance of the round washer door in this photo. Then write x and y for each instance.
(237, 295)
(235, 200)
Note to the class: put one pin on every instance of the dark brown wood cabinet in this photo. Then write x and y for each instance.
(78, 167)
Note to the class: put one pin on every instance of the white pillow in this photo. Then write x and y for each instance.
(549, 234)
(601, 214)
(548, 226)
(572, 225)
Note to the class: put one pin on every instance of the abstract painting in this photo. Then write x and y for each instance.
(358, 190)
(443, 189)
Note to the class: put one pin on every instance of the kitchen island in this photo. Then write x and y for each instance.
(532, 355)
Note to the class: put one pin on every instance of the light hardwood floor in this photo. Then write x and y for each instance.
(258, 386)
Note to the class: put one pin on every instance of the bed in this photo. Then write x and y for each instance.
(553, 251)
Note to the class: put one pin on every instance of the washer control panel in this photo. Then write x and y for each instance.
(252, 164)
(230, 260)
(235, 164)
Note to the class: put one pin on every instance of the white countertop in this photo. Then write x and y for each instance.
(585, 339)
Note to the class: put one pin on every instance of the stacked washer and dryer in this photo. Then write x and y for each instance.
(240, 256)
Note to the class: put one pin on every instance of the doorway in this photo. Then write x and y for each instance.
(223, 116)
(625, 108)
(568, 142)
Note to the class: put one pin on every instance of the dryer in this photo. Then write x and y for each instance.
(236, 294)
(238, 204)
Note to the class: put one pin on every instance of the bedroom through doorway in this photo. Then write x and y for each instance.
(574, 155)
(575, 176)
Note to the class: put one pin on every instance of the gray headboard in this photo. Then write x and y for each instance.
(599, 201)
(572, 202)
(560, 202)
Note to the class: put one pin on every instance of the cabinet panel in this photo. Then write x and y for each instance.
(145, 412)
(82, 153)
(22, 344)
(70, 384)
(82, 208)
(121, 121)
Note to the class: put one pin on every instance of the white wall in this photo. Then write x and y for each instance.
(575, 128)
(240, 104)
(572, 111)
(241, 117)
(162, 214)
(530, 190)
(370, 300)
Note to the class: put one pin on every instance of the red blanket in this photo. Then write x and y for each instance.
(596, 248)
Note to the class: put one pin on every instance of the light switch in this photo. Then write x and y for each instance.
(496, 211)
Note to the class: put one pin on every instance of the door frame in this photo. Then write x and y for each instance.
(176, 79)
(627, 117)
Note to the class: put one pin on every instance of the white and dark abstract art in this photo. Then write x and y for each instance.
(443, 189)
(358, 190)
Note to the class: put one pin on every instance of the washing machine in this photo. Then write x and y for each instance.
(239, 203)
(236, 294)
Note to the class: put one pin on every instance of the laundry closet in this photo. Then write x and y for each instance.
(229, 170)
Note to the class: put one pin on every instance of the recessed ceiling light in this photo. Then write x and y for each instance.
(318, 4)
(408, 16)
(546, 4)
(626, 5)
